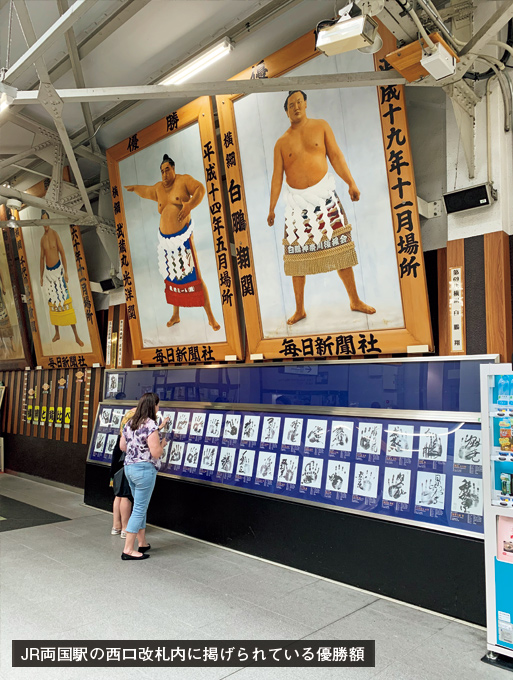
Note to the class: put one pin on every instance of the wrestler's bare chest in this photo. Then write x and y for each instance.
(298, 144)
(49, 242)
(175, 195)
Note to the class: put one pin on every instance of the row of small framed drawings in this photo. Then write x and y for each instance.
(427, 472)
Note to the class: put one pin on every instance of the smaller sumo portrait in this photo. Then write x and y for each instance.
(11, 347)
(176, 196)
(55, 285)
(54, 281)
(171, 242)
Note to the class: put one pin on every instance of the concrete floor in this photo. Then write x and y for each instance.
(66, 581)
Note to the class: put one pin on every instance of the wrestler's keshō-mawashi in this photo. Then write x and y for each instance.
(178, 268)
(317, 234)
(57, 294)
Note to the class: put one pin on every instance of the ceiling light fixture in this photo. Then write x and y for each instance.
(199, 63)
(355, 30)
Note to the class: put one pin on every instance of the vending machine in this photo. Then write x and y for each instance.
(497, 413)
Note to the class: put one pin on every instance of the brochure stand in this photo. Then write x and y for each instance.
(497, 412)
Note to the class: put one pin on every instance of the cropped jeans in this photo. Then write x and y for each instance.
(141, 477)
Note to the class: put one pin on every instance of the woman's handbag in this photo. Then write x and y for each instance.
(118, 481)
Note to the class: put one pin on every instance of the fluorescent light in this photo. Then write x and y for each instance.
(199, 63)
(3, 105)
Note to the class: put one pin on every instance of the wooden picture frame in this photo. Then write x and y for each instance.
(23, 356)
(416, 331)
(62, 360)
(198, 112)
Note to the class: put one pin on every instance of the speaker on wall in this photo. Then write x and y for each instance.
(478, 196)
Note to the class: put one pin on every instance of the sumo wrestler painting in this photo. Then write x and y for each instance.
(176, 195)
(60, 304)
(314, 217)
(319, 238)
(173, 240)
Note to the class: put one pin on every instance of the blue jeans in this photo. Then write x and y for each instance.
(141, 477)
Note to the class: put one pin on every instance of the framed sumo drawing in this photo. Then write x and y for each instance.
(60, 305)
(323, 211)
(173, 243)
(14, 347)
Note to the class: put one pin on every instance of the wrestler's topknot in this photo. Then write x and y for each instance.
(291, 92)
(167, 159)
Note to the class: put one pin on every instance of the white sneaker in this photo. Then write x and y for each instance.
(122, 534)
(115, 532)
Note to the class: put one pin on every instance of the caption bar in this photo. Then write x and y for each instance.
(268, 653)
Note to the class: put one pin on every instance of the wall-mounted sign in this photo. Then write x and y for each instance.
(456, 310)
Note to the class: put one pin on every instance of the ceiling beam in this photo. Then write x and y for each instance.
(78, 74)
(38, 48)
(56, 222)
(468, 54)
(78, 216)
(38, 128)
(28, 152)
(227, 87)
(49, 99)
(489, 30)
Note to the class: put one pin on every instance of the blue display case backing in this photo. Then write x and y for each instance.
(421, 469)
(431, 384)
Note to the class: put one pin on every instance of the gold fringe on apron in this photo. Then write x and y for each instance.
(320, 258)
(317, 235)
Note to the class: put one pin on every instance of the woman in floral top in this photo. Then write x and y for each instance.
(141, 441)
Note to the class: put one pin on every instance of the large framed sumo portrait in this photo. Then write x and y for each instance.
(14, 347)
(323, 211)
(60, 304)
(173, 241)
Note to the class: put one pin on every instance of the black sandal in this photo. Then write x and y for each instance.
(126, 556)
(144, 548)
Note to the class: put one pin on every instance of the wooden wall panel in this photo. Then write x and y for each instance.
(38, 382)
(67, 421)
(75, 395)
(50, 416)
(499, 333)
(24, 389)
(85, 410)
(29, 404)
(59, 399)
(17, 400)
(7, 381)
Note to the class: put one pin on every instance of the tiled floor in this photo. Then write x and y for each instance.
(66, 581)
